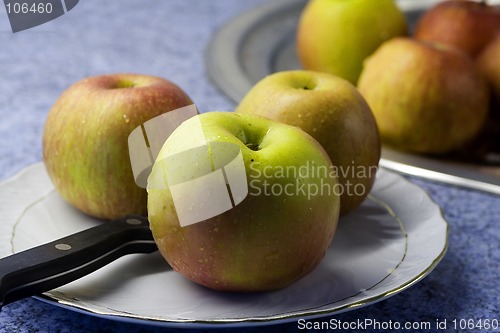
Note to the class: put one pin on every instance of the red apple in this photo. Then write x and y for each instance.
(488, 63)
(426, 97)
(85, 140)
(335, 36)
(332, 111)
(466, 24)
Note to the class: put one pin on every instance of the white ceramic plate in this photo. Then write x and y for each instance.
(392, 241)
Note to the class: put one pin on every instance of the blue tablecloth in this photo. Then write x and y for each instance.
(168, 39)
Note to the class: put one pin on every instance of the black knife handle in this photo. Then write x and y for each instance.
(57, 263)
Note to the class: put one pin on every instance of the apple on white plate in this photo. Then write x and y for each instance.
(243, 203)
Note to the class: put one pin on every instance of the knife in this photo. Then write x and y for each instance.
(59, 262)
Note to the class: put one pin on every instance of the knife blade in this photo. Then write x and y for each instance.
(67, 259)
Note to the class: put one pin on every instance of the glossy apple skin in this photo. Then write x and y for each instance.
(85, 140)
(488, 62)
(468, 25)
(267, 241)
(335, 36)
(331, 110)
(426, 98)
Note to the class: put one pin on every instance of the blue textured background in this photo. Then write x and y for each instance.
(167, 38)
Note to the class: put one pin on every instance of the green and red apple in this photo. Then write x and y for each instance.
(332, 111)
(85, 147)
(282, 205)
(426, 97)
(335, 36)
(468, 25)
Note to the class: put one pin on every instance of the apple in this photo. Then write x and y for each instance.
(468, 25)
(335, 36)
(426, 97)
(488, 62)
(242, 203)
(85, 147)
(331, 110)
